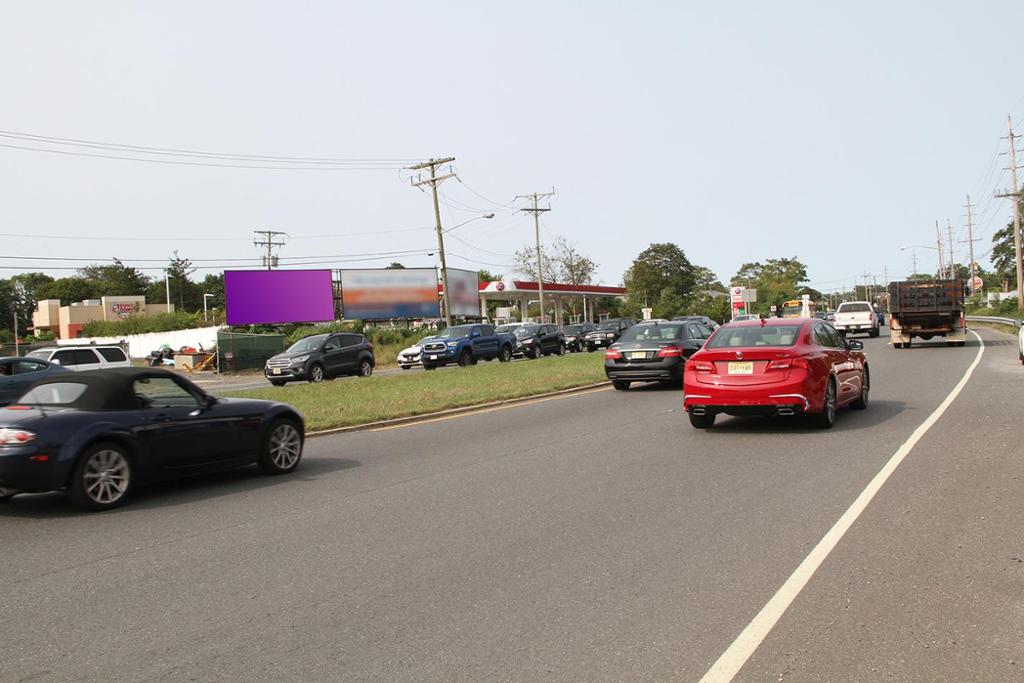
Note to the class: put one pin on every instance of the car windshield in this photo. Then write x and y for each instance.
(307, 345)
(754, 335)
(506, 329)
(41, 354)
(659, 332)
(56, 394)
(574, 329)
(853, 308)
(526, 330)
(455, 332)
(608, 326)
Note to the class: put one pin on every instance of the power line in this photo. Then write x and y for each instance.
(171, 151)
(381, 254)
(201, 163)
(202, 239)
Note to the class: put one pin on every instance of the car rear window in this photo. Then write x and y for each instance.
(113, 355)
(663, 332)
(55, 394)
(44, 354)
(754, 335)
(853, 308)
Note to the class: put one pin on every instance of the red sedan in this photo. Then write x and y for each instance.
(775, 367)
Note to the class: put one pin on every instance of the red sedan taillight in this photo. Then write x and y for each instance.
(670, 352)
(612, 354)
(699, 366)
(15, 437)
(788, 364)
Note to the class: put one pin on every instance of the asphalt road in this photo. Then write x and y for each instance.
(596, 537)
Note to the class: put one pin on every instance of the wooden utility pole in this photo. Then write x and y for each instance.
(1014, 196)
(938, 241)
(433, 181)
(970, 241)
(949, 232)
(536, 211)
(269, 241)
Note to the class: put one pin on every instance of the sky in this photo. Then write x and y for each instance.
(832, 132)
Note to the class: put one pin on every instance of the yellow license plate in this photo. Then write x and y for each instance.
(638, 355)
(744, 368)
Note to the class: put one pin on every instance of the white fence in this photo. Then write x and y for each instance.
(139, 345)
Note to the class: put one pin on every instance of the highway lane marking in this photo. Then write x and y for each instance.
(733, 659)
(493, 409)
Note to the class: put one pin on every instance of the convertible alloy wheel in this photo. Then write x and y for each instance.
(316, 373)
(283, 448)
(102, 478)
(365, 368)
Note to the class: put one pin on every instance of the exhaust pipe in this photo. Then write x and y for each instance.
(786, 410)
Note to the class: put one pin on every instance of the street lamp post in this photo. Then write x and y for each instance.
(919, 246)
(444, 268)
(205, 297)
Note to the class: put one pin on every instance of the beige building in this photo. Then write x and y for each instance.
(67, 321)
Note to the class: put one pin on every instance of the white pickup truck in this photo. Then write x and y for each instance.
(856, 316)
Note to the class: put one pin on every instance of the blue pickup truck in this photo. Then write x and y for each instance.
(465, 345)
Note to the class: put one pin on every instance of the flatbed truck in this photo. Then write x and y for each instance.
(926, 309)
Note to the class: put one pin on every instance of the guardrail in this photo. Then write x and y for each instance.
(1012, 322)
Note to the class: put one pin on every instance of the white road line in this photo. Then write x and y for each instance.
(733, 659)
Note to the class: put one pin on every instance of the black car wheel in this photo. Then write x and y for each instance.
(560, 350)
(827, 417)
(535, 352)
(282, 448)
(620, 385)
(505, 355)
(702, 421)
(365, 368)
(277, 382)
(102, 477)
(466, 358)
(316, 373)
(591, 348)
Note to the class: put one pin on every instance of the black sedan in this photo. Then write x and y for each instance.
(18, 374)
(575, 336)
(98, 434)
(653, 352)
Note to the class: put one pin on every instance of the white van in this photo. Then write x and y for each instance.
(84, 357)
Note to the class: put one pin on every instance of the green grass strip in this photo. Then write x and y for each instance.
(344, 403)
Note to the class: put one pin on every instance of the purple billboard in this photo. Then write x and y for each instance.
(254, 297)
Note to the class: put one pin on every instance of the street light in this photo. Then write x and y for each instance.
(444, 269)
(917, 246)
(205, 297)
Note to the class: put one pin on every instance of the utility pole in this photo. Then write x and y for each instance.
(938, 241)
(536, 211)
(970, 241)
(1014, 195)
(433, 181)
(270, 240)
(949, 232)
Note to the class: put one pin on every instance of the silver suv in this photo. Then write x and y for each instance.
(84, 357)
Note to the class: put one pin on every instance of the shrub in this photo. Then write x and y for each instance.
(141, 324)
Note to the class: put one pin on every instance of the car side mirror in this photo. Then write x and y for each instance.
(55, 361)
(209, 401)
(855, 345)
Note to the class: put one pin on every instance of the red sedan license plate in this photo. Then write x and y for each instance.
(741, 368)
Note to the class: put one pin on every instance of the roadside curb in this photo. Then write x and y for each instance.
(452, 411)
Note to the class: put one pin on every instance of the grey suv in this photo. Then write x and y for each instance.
(320, 357)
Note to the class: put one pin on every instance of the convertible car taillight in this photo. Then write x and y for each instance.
(15, 437)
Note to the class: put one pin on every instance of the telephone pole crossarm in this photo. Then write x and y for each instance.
(433, 181)
(536, 210)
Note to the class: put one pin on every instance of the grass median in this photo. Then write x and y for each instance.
(358, 401)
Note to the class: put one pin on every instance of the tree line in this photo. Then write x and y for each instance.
(20, 293)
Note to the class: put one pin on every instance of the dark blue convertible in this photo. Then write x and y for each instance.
(98, 434)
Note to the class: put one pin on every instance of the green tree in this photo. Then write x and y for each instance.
(776, 281)
(704, 280)
(68, 290)
(115, 280)
(28, 286)
(659, 267)
(1004, 257)
(184, 292)
(488, 276)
